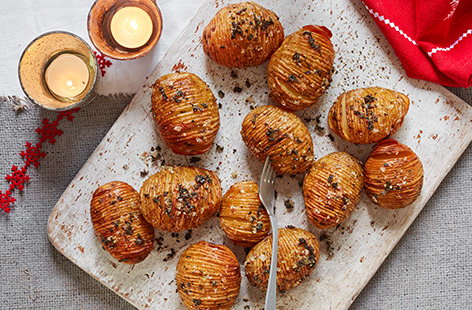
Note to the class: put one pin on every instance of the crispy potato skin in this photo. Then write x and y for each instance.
(242, 35)
(368, 115)
(180, 198)
(119, 224)
(300, 71)
(242, 216)
(297, 258)
(208, 277)
(185, 112)
(393, 175)
(332, 189)
(272, 131)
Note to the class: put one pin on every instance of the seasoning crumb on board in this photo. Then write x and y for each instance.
(195, 159)
(289, 204)
(329, 245)
(219, 148)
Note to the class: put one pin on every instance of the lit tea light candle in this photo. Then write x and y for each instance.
(124, 29)
(58, 71)
(67, 76)
(131, 27)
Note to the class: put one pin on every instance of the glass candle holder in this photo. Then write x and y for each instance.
(124, 29)
(58, 71)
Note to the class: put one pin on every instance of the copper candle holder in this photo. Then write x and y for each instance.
(37, 57)
(99, 27)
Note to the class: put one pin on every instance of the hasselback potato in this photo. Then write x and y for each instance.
(186, 113)
(332, 189)
(368, 115)
(180, 198)
(242, 35)
(272, 131)
(242, 216)
(119, 224)
(393, 175)
(297, 258)
(300, 71)
(208, 277)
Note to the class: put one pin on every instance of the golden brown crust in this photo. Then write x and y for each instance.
(393, 175)
(119, 224)
(300, 71)
(332, 189)
(271, 131)
(242, 35)
(297, 258)
(368, 115)
(180, 198)
(186, 113)
(208, 277)
(242, 216)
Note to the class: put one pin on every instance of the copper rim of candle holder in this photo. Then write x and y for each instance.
(98, 24)
(37, 56)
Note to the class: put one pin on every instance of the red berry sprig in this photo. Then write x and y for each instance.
(32, 156)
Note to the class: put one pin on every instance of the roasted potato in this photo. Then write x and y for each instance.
(119, 224)
(393, 175)
(332, 189)
(180, 198)
(300, 71)
(208, 277)
(242, 35)
(368, 115)
(297, 258)
(186, 113)
(271, 131)
(242, 216)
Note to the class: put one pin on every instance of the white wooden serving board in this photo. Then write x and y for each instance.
(437, 128)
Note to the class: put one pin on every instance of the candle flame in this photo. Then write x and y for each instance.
(133, 26)
(70, 84)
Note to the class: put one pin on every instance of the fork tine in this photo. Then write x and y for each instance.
(272, 176)
(265, 171)
(269, 176)
(266, 166)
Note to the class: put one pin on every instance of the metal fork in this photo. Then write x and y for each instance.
(267, 195)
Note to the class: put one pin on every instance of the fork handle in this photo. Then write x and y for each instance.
(271, 294)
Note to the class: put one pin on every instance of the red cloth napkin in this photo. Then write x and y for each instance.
(432, 38)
